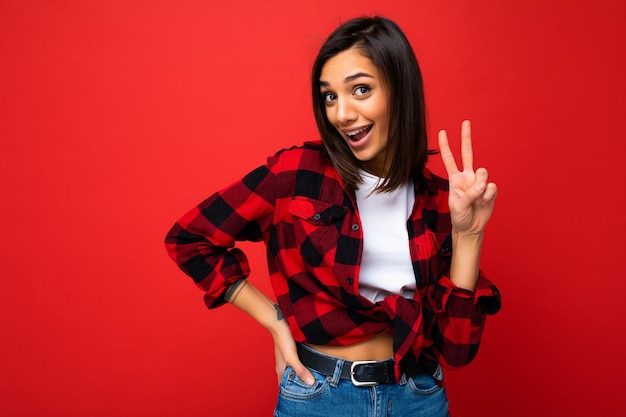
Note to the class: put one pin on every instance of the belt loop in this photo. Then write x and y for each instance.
(337, 373)
(438, 375)
(403, 378)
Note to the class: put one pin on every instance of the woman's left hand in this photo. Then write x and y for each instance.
(471, 198)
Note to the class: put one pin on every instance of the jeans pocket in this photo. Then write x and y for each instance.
(423, 384)
(292, 387)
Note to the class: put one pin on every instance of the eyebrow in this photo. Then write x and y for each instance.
(348, 79)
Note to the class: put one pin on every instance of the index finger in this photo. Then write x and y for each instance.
(446, 154)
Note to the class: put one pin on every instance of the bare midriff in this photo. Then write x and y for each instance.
(379, 347)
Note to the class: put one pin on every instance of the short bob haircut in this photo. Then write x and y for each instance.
(383, 42)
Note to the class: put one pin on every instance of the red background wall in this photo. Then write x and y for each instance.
(118, 116)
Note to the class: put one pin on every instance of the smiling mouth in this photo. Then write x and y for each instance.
(358, 134)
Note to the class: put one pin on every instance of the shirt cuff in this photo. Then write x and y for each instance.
(460, 302)
(235, 266)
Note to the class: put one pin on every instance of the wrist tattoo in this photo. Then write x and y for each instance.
(279, 313)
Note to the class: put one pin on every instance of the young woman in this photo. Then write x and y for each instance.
(374, 261)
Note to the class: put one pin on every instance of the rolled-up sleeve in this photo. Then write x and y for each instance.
(458, 319)
(202, 242)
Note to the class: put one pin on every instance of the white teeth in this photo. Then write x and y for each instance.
(354, 132)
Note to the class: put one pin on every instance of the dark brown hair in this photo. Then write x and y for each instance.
(383, 42)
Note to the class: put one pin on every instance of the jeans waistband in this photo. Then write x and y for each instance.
(361, 373)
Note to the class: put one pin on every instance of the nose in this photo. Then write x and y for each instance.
(345, 111)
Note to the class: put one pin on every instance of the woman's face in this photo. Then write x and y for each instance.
(356, 105)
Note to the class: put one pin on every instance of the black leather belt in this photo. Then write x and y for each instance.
(361, 373)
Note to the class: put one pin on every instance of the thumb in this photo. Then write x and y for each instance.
(303, 372)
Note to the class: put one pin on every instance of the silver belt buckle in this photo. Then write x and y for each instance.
(359, 383)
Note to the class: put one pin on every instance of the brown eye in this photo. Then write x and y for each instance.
(329, 97)
(362, 90)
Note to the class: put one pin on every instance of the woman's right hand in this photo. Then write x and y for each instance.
(250, 300)
(286, 354)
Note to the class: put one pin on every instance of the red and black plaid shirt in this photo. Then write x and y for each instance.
(296, 204)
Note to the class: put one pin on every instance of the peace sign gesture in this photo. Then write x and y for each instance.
(471, 197)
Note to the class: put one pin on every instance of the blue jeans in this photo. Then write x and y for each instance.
(417, 396)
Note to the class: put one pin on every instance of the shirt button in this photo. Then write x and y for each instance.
(317, 216)
(355, 227)
(350, 280)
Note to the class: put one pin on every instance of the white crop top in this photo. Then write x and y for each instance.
(386, 266)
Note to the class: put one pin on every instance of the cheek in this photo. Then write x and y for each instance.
(383, 123)
(382, 112)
